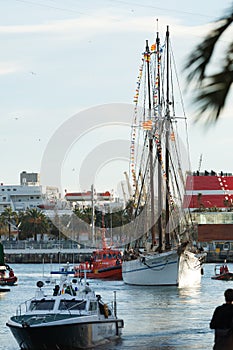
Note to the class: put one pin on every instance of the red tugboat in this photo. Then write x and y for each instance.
(105, 263)
(7, 276)
(222, 273)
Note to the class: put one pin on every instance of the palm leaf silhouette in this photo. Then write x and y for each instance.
(211, 90)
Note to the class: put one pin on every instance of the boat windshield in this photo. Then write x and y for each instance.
(41, 305)
(72, 304)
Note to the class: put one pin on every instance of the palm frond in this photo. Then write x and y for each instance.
(198, 60)
(229, 58)
(211, 91)
(211, 97)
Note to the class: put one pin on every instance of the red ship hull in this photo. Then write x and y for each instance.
(110, 273)
(223, 277)
(222, 273)
(8, 281)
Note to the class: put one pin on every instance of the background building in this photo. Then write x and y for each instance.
(209, 197)
(27, 179)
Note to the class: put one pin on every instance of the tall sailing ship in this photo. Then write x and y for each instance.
(162, 249)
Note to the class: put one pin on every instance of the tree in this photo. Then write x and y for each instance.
(58, 226)
(84, 213)
(211, 89)
(9, 217)
(33, 222)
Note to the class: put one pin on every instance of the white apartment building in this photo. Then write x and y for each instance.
(21, 197)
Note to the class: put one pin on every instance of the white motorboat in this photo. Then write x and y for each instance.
(72, 317)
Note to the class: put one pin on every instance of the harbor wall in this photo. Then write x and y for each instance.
(214, 255)
(46, 256)
(16, 252)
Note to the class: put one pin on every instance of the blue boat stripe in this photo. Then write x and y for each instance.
(151, 267)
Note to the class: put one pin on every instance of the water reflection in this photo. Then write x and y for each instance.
(190, 295)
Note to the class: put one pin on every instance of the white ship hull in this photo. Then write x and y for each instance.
(163, 269)
(190, 268)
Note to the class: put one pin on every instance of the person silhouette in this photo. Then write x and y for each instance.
(222, 323)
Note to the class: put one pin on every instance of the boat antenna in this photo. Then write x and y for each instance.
(167, 121)
(93, 215)
(104, 243)
(200, 161)
(115, 304)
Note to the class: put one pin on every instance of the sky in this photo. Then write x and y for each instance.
(68, 67)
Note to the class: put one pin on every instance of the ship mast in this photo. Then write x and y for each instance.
(158, 152)
(152, 206)
(167, 135)
(92, 215)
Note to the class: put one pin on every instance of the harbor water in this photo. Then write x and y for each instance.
(166, 318)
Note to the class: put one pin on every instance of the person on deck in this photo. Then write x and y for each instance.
(225, 267)
(222, 323)
(11, 273)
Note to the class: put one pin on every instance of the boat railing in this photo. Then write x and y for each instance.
(23, 307)
(111, 307)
